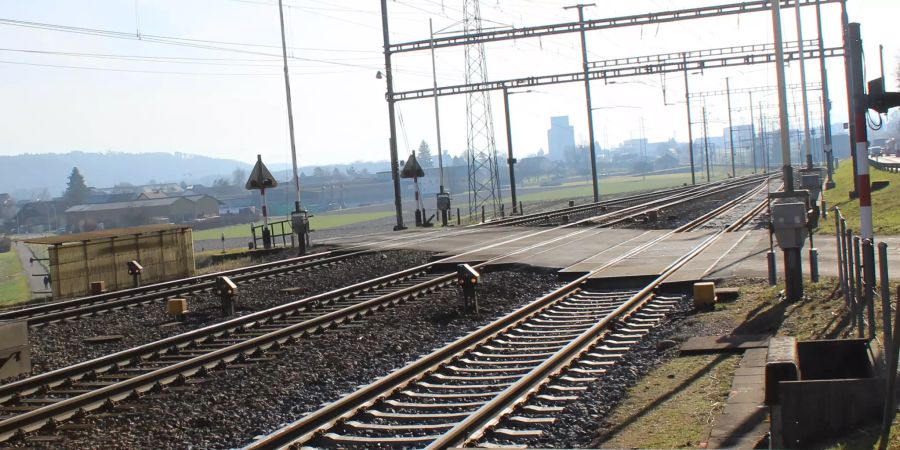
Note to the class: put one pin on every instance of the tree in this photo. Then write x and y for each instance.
(424, 155)
(76, 191)
(319, 172)
(220, 182)
(238, 177)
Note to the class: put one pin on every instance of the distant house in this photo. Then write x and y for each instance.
(141, 212)
(152, 195)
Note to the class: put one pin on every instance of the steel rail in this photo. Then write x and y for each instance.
(474, 425)
(746, 218)
(677, 200)
(176, 286)
(332, 413)
(50, 312)
(61, 410)
(546, 215)
(693, 225)
(620, 215)
(314, 423)
(55, 377)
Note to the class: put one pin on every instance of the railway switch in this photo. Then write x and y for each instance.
(226, 290)
(135, 269)
(468, 278)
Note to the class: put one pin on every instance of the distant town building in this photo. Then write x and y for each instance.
(560, 138)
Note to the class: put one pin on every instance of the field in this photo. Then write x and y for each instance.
(13, 284)
(317, 222)
(618, 185)
(885, 203)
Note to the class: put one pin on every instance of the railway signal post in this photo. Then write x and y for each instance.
(789, 218)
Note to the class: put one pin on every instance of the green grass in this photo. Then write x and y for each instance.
(13, 282)
(608, 186)
(317, 222)
(885, 203)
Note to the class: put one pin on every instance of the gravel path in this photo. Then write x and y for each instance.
(60, 344)
(229, 407)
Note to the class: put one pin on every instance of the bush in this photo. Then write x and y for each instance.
(5, 244)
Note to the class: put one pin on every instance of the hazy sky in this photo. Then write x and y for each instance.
(128, 91)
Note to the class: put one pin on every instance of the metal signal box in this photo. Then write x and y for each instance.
(300, 222)
(443, 201)
(226, 290)
(15, 353)
(467, 278)
(812, 182)
(466, 275)
(134, 268)
(789, 220)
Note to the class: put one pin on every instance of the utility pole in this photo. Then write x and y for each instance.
(290, 110)
(395, 165)
(752, 133)
(437, 120)
(687, 103)
(706, 144)
(730, 127)
(806, 138)
(765, 139)
(851, 124)
(787, 170)
(587, 96)
(510, 161)
(826, 103)
(793, 269)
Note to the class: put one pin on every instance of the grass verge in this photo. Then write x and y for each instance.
(675, 405)
(13, 282)
(885, 203)
(317, 222)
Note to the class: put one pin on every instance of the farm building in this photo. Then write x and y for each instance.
(141, 212)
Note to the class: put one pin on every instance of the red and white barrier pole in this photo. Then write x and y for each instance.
(860, 107)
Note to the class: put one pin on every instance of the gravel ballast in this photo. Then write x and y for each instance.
(61, 344)
(229, 407)
(576, 425)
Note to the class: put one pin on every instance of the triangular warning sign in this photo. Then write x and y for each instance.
(260, 177)
(412, 169)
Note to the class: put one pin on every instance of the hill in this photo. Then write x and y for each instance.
(34, 172)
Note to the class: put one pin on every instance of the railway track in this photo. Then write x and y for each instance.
(30, 404)
(633, 203)
(91, 305)
(547, 350)
(86, 306)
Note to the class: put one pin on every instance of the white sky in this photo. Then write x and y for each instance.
(231, 104)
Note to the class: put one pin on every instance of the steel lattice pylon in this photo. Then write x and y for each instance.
(481, 150)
